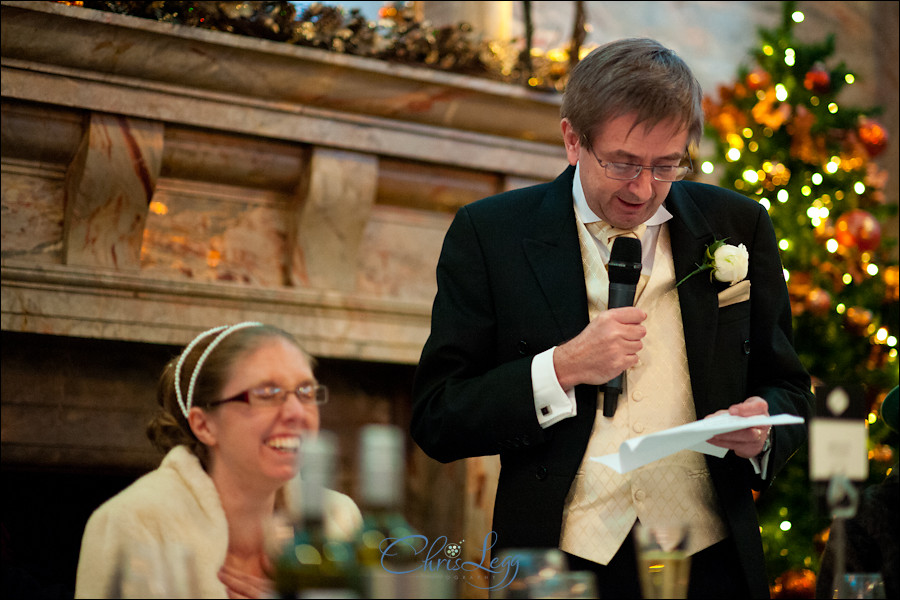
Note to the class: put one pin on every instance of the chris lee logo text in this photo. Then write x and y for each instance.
(443, 555)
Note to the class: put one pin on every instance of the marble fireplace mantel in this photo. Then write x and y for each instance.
(160, 179)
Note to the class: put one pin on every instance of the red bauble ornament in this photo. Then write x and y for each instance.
(818, 301)
(858, 229)
(883, 453)
(799, 284)
(857, 319)
(796, 583)
(873, 136)
(758, 79)
(817, 80)
(892, 283)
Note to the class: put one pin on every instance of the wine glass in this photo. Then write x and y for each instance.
(663, 562)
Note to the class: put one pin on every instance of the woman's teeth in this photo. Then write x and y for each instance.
(288, 444)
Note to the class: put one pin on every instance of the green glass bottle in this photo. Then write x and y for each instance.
(387, 546)
(312, 565)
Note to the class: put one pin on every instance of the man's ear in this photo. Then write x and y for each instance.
(572, 141)
(202, 425)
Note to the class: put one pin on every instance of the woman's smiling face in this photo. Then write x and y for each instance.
(260, 444)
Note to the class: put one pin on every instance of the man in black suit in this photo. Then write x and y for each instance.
(522, 341)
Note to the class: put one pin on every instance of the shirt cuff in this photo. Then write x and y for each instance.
(552, 404)
(761, 463)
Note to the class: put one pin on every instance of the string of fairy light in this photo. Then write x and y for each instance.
(769, 183)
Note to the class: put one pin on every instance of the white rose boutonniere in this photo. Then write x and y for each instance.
(727, 263)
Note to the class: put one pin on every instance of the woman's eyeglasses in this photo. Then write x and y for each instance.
(269, 395)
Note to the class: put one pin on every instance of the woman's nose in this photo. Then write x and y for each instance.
(295, 408)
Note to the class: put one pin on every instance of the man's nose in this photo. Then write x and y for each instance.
(642, 185)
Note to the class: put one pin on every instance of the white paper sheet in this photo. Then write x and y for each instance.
(639, 451)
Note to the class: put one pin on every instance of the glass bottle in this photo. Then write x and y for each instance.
(387, 546)
(312, 565)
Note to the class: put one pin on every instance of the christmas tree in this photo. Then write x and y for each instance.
(783, 138)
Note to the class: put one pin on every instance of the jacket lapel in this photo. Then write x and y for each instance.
(554, 254)
(690, 234)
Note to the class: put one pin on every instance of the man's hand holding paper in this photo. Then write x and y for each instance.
(697, 436)
(749, 442)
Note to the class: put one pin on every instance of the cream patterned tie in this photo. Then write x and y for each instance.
(606, 234)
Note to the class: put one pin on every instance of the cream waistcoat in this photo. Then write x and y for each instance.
(603, 505)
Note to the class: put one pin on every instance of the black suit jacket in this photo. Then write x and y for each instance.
(510, 285)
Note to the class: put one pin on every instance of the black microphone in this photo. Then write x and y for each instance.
(624, 274)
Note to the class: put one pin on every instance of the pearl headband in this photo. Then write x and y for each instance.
(186, 403)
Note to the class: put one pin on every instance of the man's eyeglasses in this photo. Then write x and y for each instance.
(628, 171)
(269, 395)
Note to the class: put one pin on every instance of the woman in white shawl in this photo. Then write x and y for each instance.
(237, 405)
